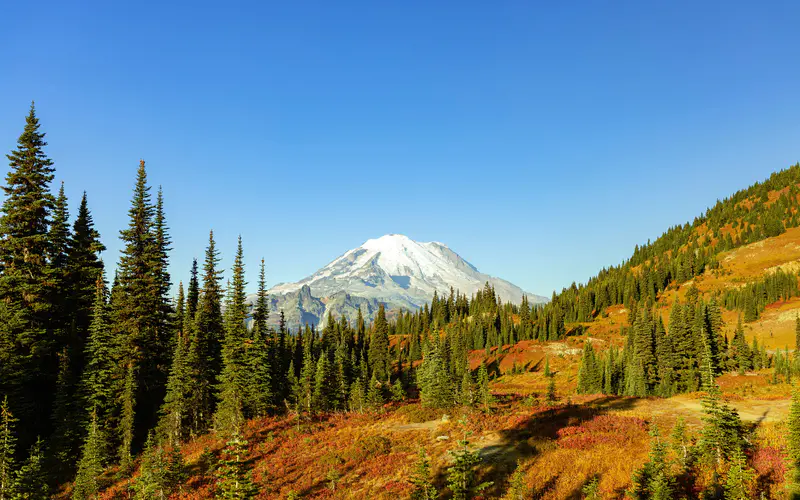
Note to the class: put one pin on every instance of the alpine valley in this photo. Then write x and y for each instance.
(394, 270)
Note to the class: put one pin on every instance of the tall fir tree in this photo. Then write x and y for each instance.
(379, 346)
(28, 366)
(233, 380)
(205, 341)
(262, 354)
(139, 316)
(99, 382)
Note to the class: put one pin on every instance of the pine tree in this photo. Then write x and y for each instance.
(161, 265)
(793, 438)
(31, 478)
(379, 346)
(797, 333)
(461, 474)
(466, 389)
(551, 397)
(357, 398)
(324, 397)
(740, 350)
(8, 440)
(484, 394)
(59, 236)
(680, 443)
(589, 374)
(153, 478)
(229, 415)
(421, 478)
(398, 393)
(722, 430)
(139, 316)
(374, 396)
(174, 423)
(28, 366)
(261, 354)
(738, 483)
(205, 340)
(98, 384)
(90, 467)
(434, 381)
(653, 480)
(84, 268)
(233, 478)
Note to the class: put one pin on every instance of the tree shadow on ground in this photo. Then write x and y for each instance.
(520, 443)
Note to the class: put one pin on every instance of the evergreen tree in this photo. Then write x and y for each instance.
(28, 366)
(652, 480)
(229, 415)
(98, 383)
(738, 483)
(90, 467)
(61, 313)
(434, 381)
(398, 393)
(153, 479)
(261, 354)
(484, 394)
(797, 333)
(205, 340)
(139, 315)
(421, 478)
(379, 346)
(8, 440)
(722, 429)
(374, 396)
(551, 397)
(461, 477)
(31, 478)
(174, 423)
(590, 378)
(357, 398)
(84, 268)
(793, 438)
(125, 429)
(325, 389)
(233, 478)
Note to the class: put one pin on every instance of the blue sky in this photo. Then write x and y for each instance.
(540, 142)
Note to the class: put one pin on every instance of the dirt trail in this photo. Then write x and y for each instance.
(430, 425)
(752, 410)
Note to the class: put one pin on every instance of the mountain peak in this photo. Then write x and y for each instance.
(402, 273)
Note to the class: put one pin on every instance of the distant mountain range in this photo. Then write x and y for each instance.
(393, 269)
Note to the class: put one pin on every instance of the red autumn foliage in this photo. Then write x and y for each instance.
(604, 429)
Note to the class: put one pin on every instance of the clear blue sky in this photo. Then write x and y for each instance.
(539, 142)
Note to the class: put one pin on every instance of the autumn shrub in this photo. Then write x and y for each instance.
(770, 467)
(604, 429)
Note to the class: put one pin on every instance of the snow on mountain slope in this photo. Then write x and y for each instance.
(402, 273)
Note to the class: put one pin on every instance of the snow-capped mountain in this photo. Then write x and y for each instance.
(393, 269)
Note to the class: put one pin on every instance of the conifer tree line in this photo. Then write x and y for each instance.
(754, 297)
(664, 360)
(763, 210)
